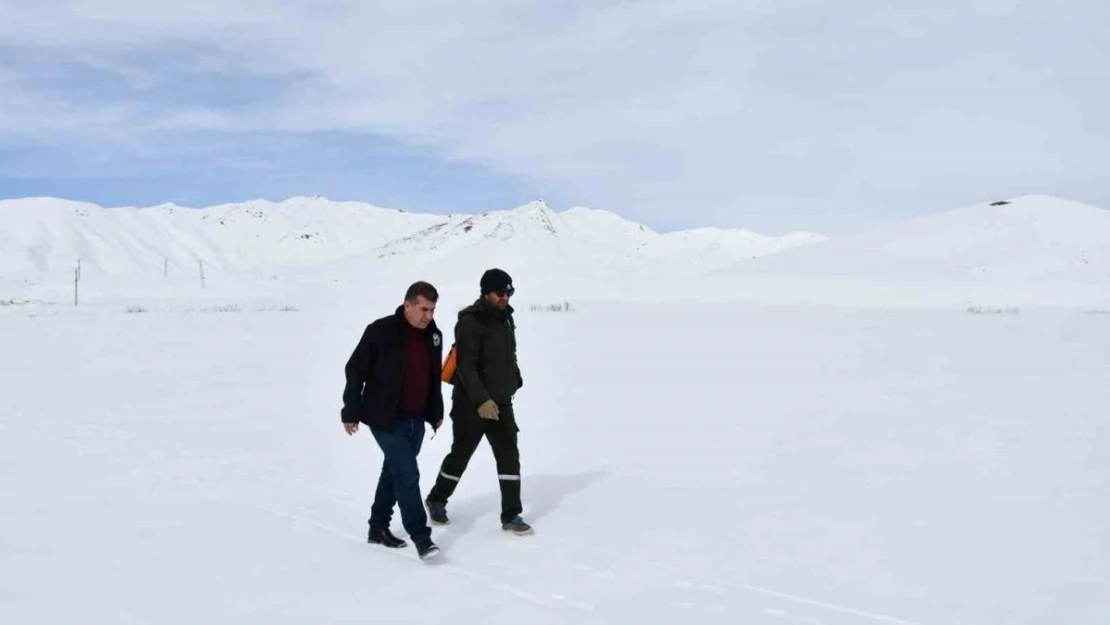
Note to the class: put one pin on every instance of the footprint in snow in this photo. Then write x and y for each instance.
(582, 605)
(786, 616)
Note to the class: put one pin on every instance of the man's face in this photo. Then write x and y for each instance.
(420, 313)
(500, 298)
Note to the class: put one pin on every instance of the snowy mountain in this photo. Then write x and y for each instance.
(1030, 249)
(47, 236)
(1029, 238)
(585, 237)
(577, 253)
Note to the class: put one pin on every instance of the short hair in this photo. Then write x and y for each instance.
(421, 289)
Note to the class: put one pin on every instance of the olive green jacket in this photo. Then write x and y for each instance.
(486, 361)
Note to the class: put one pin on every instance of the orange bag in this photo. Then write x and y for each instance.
(448, 375)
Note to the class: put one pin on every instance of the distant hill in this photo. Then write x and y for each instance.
(1025, 239)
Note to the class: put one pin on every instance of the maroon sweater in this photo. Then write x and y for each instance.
(417, 377)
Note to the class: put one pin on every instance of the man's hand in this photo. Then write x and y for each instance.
(350, 427)
(488, 410)
(436, 426)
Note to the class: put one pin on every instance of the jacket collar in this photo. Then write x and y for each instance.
(484, 308)
(403, 324)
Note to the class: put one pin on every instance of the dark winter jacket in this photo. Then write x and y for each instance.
(374, 373)
(487, 368)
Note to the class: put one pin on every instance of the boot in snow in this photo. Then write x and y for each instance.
(385, 538)
(517, 526)
(427, 549)
(437, 512)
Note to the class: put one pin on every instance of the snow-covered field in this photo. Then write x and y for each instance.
(724, 463)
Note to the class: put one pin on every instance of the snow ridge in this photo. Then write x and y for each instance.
(47, 236)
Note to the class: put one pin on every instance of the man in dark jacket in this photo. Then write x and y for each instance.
(487, 376)
(393, 386)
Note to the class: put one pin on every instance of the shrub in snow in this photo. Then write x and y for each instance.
(563, 307)
(987, 310)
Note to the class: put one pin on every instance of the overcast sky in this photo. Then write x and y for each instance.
(772, 115)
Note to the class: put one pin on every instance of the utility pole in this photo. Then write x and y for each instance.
(76, 281)
(200, 263)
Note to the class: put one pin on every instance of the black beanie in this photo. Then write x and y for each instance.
(495, 280)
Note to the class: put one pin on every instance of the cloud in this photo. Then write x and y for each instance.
(676, 113)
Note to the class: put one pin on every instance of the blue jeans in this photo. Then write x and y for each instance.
(399, 482)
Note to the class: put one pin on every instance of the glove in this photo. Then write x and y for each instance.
(488, 410)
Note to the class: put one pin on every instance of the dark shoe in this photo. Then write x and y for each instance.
(427, 550)
(517, 526)
(437, 512)
(385, 538)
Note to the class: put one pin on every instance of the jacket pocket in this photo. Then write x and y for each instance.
(366, 406)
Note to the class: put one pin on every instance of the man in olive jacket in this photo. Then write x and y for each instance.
(487, 376)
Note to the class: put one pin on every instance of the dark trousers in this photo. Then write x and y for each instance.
(468, 431)
(399, 482)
